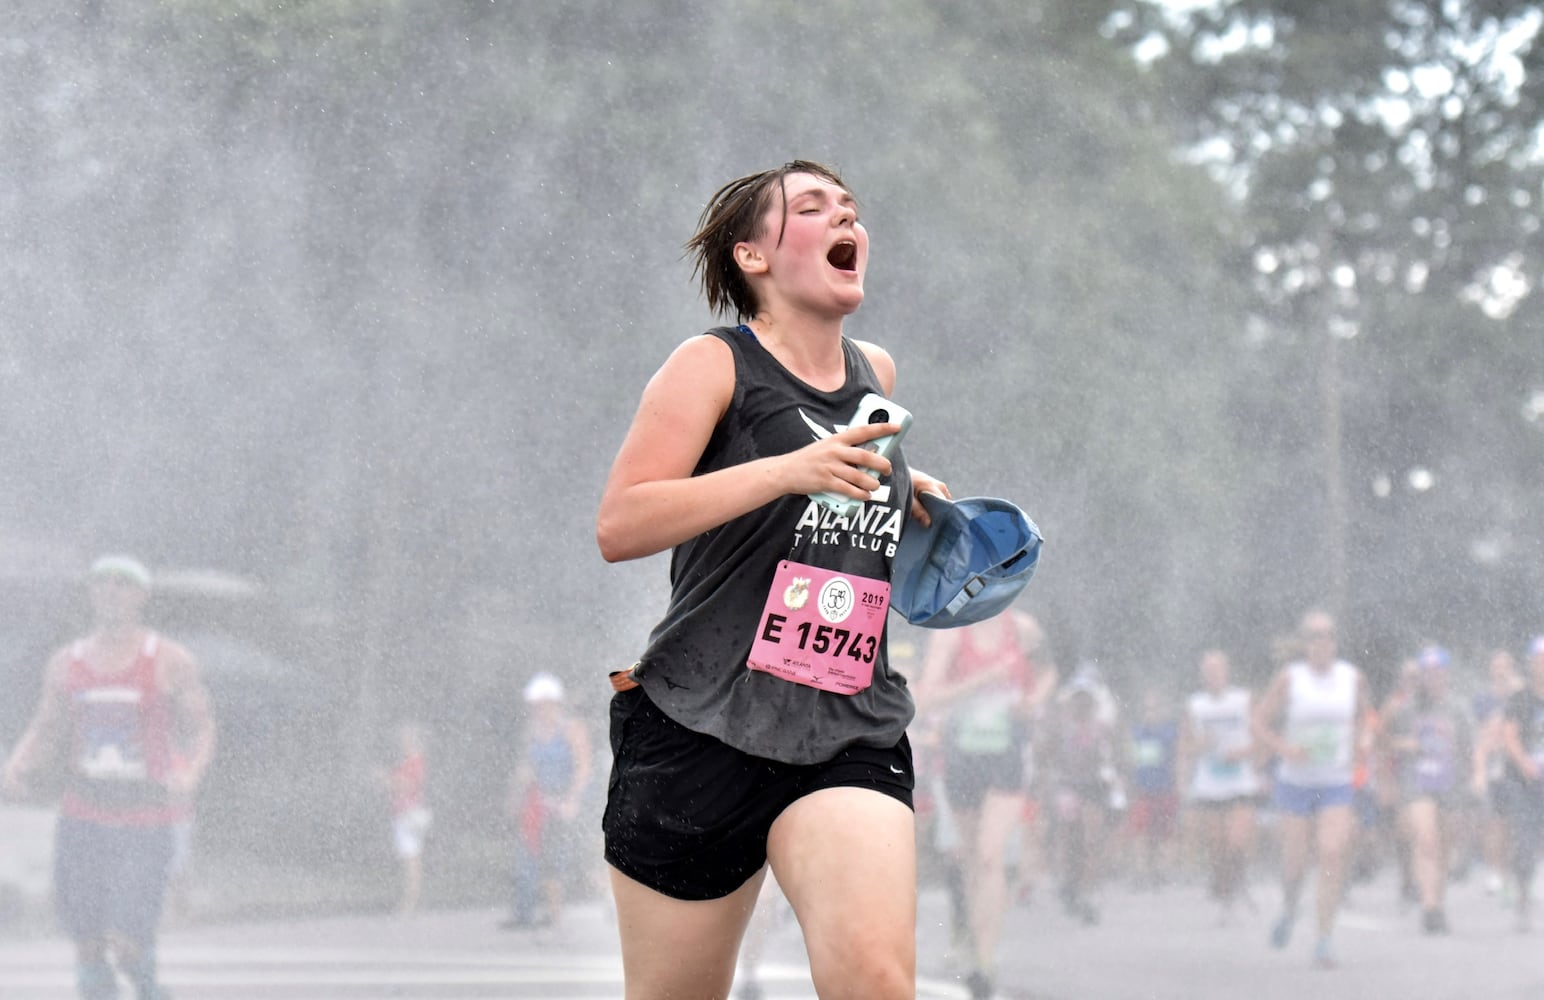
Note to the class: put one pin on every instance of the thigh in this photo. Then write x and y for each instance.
(1525, 818)
(846, 860)
(1333, 829)
(82, 876)
(561, 847)
(138, 880)
(674, 948)
(686, 814)
(966, 780)
(1000, 811)
(1420, 818)
(1294, 835)
(1241, 822)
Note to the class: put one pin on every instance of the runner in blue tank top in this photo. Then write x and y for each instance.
(549, 784)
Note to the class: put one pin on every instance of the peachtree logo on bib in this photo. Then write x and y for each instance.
(837, 600)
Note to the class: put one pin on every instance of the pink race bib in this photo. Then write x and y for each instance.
(821, 629)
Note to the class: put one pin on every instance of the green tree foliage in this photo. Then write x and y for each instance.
(1385, 154)
(359, 296)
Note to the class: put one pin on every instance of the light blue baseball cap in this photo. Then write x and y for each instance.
(969, 564)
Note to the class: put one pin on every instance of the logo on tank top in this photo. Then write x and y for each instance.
(874, 525)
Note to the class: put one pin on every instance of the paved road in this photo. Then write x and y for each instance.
(1149, 946)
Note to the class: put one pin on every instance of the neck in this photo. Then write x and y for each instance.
(113, 634)
(802, 342)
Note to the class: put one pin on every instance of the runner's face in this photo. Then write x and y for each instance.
(1214, 671)
(1319, 640)
(116, 600)
(1434, 681)
(819, 262)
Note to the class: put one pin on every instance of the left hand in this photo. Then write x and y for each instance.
(182, 783)
(921, 483)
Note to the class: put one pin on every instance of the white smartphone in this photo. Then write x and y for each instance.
(872, 409)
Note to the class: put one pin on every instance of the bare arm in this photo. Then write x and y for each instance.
(1363, 735)
(1266, 713)
(579, 741)
(184, 686)
(652, 501)
(44, 733)
(1512, 740)
(1186, 749)
(1032, 640)
(1486, 740)
(1044, 687)
(930, 687)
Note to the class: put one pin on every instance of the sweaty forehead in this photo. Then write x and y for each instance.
(801, 184)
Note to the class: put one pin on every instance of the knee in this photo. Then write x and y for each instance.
(877, 978)
(895, 983)
(1332, 857)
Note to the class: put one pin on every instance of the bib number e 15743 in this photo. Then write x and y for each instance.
(820, 628)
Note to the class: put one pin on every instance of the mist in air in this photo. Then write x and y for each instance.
(336, 313)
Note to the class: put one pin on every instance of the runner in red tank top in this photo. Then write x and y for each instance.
(980, 688)
(112, 702)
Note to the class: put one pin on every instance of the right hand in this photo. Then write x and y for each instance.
(13, 784)
(838, 464)
(1294, 752)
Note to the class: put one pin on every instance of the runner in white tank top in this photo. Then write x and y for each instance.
(1217, 751)
(1311, 718)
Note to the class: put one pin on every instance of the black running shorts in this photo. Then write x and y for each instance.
(969, 776)
(688, 815)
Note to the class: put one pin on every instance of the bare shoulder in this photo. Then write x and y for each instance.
(703, 357)
(1276, 688)
(881, 361)
(57, 672)
(1029, 629)
(178, 665)
(697, 378)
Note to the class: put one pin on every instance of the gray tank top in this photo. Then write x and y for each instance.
(694, 668)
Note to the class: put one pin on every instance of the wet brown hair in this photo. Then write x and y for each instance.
(733, 216)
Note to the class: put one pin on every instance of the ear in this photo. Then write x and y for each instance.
(749, 258)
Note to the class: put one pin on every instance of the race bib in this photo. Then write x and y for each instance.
(821, 629)
(1322, 744)
(108, 737)
(1223, 768)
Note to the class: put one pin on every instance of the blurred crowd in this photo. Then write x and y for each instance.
(1034, 781)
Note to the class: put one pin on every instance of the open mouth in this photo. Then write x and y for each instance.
(844, 256)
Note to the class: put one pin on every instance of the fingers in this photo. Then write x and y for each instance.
(841, 464)
(863, 433)
(845, 463)
(924, 483)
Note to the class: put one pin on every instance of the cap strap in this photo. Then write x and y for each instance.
(972, 587)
